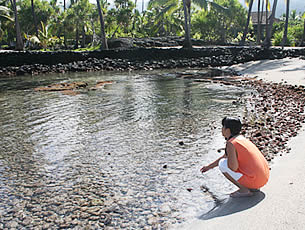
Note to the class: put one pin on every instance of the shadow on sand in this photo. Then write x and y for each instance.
(233, 205)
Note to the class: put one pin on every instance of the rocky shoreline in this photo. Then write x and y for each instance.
(34, 63)
(274, 116)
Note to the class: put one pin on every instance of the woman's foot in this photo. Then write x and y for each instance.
(241, 193)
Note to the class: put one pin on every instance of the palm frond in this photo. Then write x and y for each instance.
(203, 4)
(218, 7)
(4, 13)
(153, 3)
(167, 10)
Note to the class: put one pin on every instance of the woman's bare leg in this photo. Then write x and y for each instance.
(242, 189)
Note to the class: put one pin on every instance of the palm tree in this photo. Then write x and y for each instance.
(4, 15)
(286, 24)
(102, 22)
(64, 24)
(169, 6)
(250, 3)
(303, 37)
(187, 24)
(258, 40)
(34, 17)
(19, 42)
(267, 42)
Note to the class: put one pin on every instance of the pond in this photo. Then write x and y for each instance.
(125, 156)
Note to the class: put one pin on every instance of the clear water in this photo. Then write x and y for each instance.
(119, 147)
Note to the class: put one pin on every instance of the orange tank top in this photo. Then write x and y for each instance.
(251, 163)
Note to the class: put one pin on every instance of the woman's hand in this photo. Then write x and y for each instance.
(212, 165)
(205, 168)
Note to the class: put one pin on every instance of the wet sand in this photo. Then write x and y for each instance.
(280, 204)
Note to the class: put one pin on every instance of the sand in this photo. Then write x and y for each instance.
(281, 203)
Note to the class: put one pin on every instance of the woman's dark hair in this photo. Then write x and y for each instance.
(233, 124)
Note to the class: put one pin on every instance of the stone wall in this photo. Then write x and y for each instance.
(144, 54)
(21, 63)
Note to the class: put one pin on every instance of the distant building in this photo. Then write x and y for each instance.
(255, 21)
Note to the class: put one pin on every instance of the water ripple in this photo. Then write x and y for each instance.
(141, 141)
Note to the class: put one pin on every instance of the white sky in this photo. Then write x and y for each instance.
(298, 5)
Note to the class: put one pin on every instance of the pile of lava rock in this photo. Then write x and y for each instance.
(273, 116)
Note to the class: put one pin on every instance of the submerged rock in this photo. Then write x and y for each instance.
(63, 86)
(101, 84)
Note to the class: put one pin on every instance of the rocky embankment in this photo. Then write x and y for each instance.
(34, 63)
(273, 116)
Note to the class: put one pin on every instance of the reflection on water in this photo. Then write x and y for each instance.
(127, 156)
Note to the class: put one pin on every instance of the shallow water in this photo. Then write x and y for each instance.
(134, 148)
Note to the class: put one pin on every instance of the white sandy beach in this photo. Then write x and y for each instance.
(281, 203)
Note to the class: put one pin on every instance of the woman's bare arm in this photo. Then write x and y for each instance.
(232, 156)
(212, 165)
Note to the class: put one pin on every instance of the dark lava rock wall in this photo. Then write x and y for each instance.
(224, 55)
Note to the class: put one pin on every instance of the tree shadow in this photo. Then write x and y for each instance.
(233, 205)
(301, 68)
(262, 65)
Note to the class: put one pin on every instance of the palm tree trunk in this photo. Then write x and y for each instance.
(261, 20)
(83, 37)
(104, 40)
(142, 6)
(76, 37)
(242, 42)
(65, 34)
(94, 34)
(267, 42)
(188, 4)
(303, 37)
(284, 42)
(187, 41)
(133, 29)
(223, 33)
(267, 21)
(258, 41)
(34, 17)
(19, 42)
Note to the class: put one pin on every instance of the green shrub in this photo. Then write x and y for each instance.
(278, 38)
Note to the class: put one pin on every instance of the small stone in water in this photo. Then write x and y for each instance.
(189, 189)
(181, 143)
(165, 166)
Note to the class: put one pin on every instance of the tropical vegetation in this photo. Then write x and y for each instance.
(74, 24)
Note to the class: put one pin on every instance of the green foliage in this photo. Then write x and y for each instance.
(4, 18)
(215, 21)
(120, 20)
(294, 33)
(220, 24)
(45, 39)
(43, 10)
(249, 38)
(5, 13)
(90, 48)
(278, 37)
